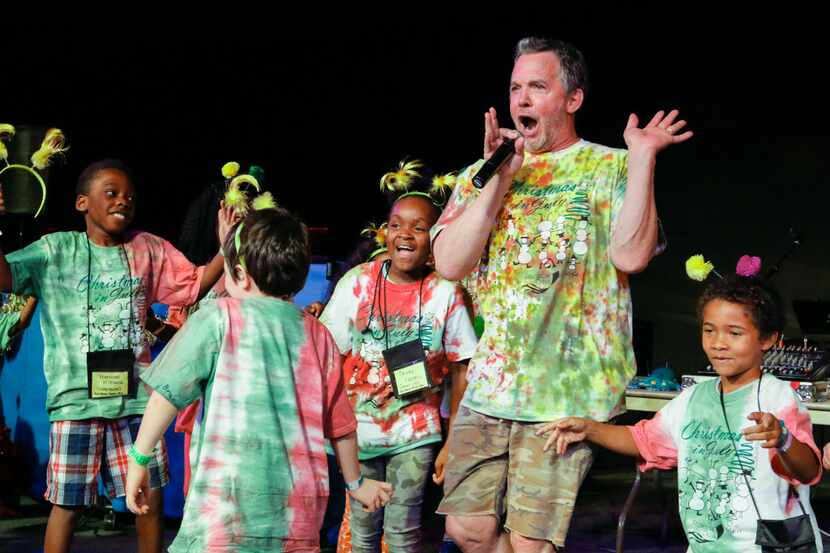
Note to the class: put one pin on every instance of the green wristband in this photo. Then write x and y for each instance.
(142, 460)
(355, 485)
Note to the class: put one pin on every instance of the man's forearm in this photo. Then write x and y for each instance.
(634, 236)
(459, 246)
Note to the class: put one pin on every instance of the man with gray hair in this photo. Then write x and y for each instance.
(546, 245)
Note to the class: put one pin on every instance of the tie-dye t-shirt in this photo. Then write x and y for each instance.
(64, 269)
(557, 313)
(354, 315)
(271, 384)
(715, 505)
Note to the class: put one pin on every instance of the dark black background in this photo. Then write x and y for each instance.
(327, 106)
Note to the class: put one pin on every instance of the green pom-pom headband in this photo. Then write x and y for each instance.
(237, 242)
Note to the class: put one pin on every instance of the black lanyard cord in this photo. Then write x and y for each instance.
(380, 289)
(735, 446)
(89, 285)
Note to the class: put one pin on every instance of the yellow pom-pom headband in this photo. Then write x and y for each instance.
(6, 133)
(408, 173)
(401, 179)
(378, 235)
(263, 201)
(54, 144)
(236, 197)
(443, 183)
(697, 268)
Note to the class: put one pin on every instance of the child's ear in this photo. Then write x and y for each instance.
(769, 341)
(81, 203)
(243, 279)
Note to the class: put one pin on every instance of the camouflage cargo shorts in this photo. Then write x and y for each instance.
(497, 467)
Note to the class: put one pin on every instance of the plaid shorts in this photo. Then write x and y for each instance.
(497, 467)
(78, 449)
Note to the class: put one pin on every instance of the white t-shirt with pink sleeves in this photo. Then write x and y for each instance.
(715, 504)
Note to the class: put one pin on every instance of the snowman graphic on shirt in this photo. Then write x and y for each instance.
(525, 256)
(545, 229)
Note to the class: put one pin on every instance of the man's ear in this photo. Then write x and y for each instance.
(575, 99)
(81, 203)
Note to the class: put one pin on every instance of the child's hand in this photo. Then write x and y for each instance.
(373, 494)
(314, 309)
(440, 463)
(768, 429)
(138, 482)
(825, 460)
(225, 219)
(564, 432)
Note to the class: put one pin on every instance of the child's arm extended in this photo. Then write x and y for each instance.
(371, 493)
(157, 417)
(214, 269)
(25, 317)
(573, 429)
(796, 457)
(26, 314)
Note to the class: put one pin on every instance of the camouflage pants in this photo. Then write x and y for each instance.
(400, 520)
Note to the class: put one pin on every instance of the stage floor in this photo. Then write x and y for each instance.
(593, 528)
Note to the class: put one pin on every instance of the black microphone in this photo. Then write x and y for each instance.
(492, 165)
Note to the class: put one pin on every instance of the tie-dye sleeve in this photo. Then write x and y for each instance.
(27, 265)
(188, 361)
(340, 310)
(796, 417)
(459, 337)
(618, 187)
(655, 438)
(339, 418)
(176, 279)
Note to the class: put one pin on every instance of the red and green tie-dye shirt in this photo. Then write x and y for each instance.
(271, 382)
(557, 312)
(354, 315)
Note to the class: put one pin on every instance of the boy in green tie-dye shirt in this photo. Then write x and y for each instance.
(94, 289)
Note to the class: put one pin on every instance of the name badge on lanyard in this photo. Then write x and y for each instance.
(406, 363)
(407, 367)
(111, 373)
